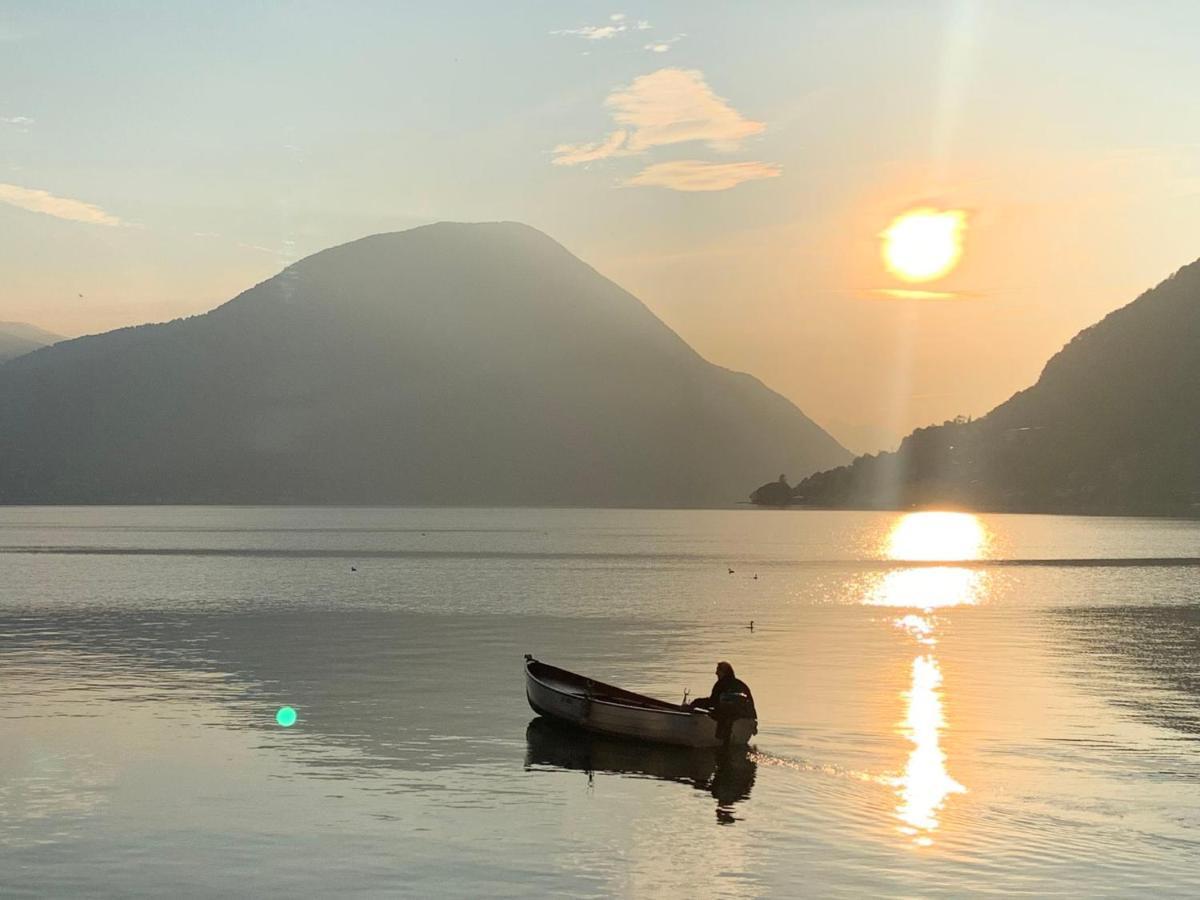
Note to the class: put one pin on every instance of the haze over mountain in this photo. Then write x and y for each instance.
(449, 364)
(1111, 426)
(18, 338)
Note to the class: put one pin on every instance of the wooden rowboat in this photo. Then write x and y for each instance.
(586, 703)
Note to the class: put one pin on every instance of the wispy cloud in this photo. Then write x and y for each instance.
(697, 175)
(593, 32)
(664, 45)
(574, 154)
(59, 207)
(617, 23)
(670, 106)
(909, 294)
(261, 249)
(21, 123)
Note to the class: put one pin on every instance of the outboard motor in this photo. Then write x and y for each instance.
(733, 705)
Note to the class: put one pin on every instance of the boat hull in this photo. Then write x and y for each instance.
(574, 704)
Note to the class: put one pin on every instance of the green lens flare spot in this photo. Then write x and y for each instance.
(286, 716)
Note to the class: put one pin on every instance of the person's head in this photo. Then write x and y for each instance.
(724, 670)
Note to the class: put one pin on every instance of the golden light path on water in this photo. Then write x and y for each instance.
(926, 783)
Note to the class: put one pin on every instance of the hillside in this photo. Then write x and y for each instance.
(1111, 426)
(449, 364)
(17, 339)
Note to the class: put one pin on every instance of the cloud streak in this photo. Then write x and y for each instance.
(670, 106)
(617, 23)
(574, 154)
(60, 207)
(663, 46)
(697, 175)
(593, 32)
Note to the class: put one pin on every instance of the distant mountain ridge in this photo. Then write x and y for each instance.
(450, 364)
(19, 338)
(1112, 426)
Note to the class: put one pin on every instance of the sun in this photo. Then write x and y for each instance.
(924, 244)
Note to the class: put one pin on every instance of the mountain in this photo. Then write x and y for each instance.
(1112, 426)
(450, 364)
(17, 339)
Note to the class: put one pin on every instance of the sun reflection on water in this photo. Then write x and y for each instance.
(926, 536)
(919, 627)
(926, 783)
(928, 588)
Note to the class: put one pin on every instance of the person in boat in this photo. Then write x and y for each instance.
(730, 699)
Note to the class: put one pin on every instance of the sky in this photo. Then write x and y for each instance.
(732, 164)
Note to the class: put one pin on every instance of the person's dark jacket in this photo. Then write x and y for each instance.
(728, 685)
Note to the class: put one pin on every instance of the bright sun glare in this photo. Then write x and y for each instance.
(924, 244)
(932, 537)
(929, 536)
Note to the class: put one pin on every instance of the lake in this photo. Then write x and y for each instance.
(950, 704)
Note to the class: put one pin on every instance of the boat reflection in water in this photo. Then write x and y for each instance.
(727, 775)
(925, 537)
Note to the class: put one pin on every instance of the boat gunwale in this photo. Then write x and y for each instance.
(664, 709)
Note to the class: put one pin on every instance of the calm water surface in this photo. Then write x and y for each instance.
(950, 704)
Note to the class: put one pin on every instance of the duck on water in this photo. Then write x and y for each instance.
(726, 718)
